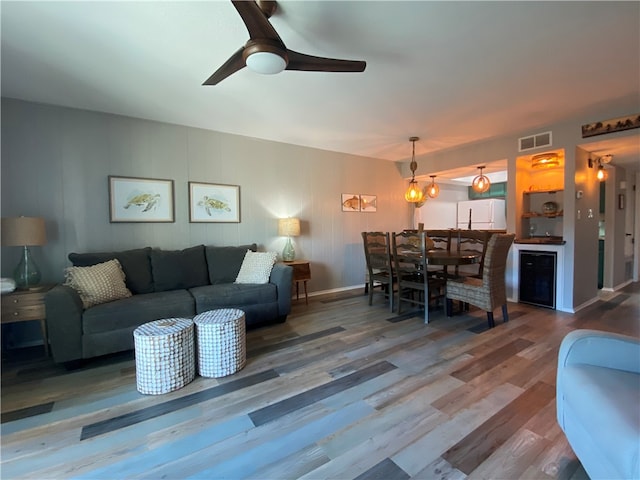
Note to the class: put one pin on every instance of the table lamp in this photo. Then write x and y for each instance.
(24, 232)
(288, 227)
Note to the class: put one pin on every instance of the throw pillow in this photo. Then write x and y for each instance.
(256, 267)
(179, 269)
(135, 265)
(99, 283)
(224, 262)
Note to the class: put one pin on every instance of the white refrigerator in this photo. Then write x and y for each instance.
(486, 214)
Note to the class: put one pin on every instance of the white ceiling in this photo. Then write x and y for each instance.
(449, 72)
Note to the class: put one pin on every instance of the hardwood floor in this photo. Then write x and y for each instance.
(341, 390)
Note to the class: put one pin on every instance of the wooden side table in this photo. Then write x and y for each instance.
(23, 305)
(301, 273)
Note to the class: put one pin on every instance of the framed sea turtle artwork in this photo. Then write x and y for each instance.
(134, 199)
(212, 202)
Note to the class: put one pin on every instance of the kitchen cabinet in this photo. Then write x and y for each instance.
(496, 190)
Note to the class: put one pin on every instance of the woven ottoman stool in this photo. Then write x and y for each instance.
(221, 342)
(165, 357)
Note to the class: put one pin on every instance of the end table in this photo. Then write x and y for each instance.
(301, 273)
(26, 304)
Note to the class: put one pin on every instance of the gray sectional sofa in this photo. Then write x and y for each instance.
(164, 284)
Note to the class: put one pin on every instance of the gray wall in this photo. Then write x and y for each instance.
(55, 163)
(586, 229)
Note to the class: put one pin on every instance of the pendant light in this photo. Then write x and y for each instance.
(601, 175)
(433, 190)
(413, 193)
(481, 183)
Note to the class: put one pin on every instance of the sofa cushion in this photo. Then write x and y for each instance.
(225, 295)
(179, 269)
(99, 283)
(136, 310)
(256, 267)
(135, 264)
(224, 262)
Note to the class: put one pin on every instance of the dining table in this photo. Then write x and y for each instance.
(445, 257)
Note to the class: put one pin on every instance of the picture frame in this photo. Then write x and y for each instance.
(368, 203)
(141, 200)
(612, 125)
(350, 202)
(214, 203)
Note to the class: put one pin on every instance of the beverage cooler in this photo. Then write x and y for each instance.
(538, 278)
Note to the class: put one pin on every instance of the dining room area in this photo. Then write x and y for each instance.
(445, 271)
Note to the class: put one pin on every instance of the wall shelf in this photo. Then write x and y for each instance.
(542, 215)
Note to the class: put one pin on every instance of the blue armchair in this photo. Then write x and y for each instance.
(598, 401)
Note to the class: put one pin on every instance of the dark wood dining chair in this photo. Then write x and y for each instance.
(474, 241)
(439, 240)
(490, 291)
(377, 253)
(415, 285)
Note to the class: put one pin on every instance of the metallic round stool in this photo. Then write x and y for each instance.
(220, 342)
(164, 355)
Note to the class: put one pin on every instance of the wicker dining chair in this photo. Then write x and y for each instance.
(488, 292)
(377, 253)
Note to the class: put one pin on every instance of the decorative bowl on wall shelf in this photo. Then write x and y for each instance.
(549, 208)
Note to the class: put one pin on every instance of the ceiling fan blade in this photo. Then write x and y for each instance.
(235, 63)
(309, 63)
(255, 20)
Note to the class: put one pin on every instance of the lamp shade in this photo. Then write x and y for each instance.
(289, 227)
(23, 231)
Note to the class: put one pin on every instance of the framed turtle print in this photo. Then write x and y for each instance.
(133, 199)
(212, 202)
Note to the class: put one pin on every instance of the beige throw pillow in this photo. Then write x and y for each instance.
(256, 267)
(99, 283)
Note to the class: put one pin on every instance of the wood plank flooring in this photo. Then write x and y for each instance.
(341, 390)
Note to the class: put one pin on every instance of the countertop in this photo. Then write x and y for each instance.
(541, 240)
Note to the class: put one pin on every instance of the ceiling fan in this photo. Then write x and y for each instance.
(266, 53)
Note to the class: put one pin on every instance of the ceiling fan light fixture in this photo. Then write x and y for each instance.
(413, 193)
(545, 160)
(267, 63)
(481, 183)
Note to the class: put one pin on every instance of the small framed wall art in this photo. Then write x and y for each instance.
(211, 202)
(134, 199)
(350, 202)
(353, 202)
(368, 203)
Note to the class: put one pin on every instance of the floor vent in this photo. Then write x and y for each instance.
(534, 141)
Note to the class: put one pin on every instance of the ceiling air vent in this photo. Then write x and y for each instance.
(534, 141)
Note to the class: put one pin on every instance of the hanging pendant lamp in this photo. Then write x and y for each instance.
(413, 193)
(481, 183)
(433, 190)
